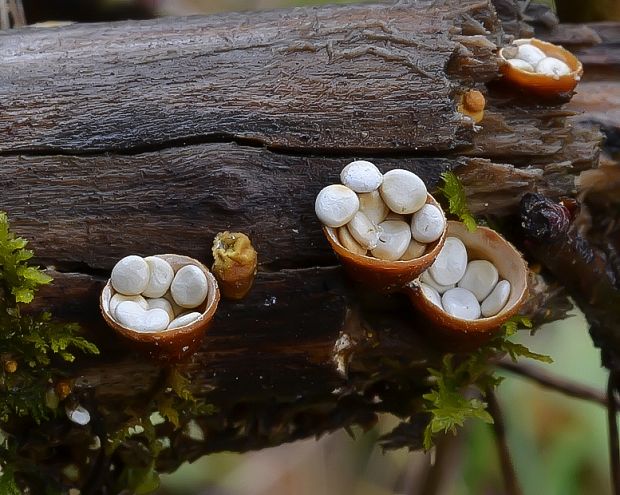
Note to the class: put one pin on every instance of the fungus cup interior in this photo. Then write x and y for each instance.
(178, 341)
(540, 83)
(481, 244)
(381, 274)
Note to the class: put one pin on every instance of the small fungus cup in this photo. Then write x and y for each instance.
(481, 244)
(472, 105)
(235, 264)
(170, 344)
(388, 276)
(529, 79)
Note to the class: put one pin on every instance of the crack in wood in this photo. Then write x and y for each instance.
(242, 142)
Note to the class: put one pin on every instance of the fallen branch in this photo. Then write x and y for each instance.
(511, 481)
(553, 382)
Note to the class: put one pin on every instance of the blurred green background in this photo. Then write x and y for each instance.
(559, 444)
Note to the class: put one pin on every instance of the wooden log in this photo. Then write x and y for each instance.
(350, 78)
(155, 176)
(305, 353)
(178, 199)
(175, 200)
(151, 137)
(350, 354)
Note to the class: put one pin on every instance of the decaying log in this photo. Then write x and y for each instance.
(304, 353)
(151, 137)
(175, 199)
(364, 78)
(196, 191)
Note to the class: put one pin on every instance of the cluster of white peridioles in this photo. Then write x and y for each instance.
(530, 58)
(466, 290)
(385, 216)
(150, 297)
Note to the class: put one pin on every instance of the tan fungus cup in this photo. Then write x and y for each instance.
(177, 343)
(380, 274)
(482, 244)
(539, 83)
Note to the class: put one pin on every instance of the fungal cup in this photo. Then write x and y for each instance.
(547, 85)
(176, 343)
(481, 244)
(381, 274)
(235, 263)
(472, 105)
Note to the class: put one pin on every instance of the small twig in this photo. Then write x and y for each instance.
(435, 476)
(554, 382)
(5, 20)
(614, 452)
(19, 16)
(499, 428)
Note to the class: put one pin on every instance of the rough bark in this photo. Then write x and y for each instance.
(358, 77)
(175, 200)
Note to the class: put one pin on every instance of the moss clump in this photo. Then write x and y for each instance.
(30, 345)
(446, 403)
(137, 438)
(454, 192)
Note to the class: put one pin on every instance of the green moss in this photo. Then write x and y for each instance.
(457, 201)
(172, 402)
(28, 344)
(8, 484)
(31, 346)
(449, 408)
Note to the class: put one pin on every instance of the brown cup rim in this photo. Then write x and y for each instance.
(511, 260)
(208, 307)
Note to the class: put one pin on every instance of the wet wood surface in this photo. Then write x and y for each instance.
(332, 78)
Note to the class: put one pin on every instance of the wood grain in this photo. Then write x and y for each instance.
(85, 213)
(367, 77)
(88, 212)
